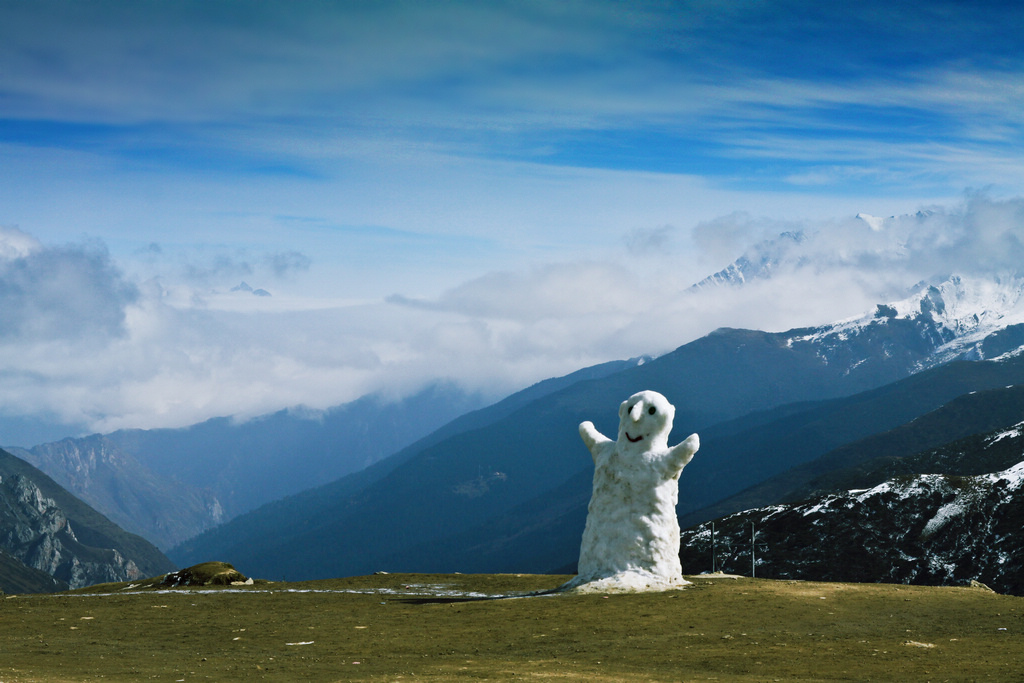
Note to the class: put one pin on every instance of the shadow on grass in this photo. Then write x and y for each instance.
(446, 600)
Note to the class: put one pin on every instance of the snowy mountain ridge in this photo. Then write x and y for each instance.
(970, 283)
(968, 307)
(961, 311)
(939, 529)
(965, 495)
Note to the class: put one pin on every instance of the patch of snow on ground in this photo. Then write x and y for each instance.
(1013, 476)
(822, 505)
(863, 494)
(922, 485)
(943, 515)
(1011, 433)
(773, 510)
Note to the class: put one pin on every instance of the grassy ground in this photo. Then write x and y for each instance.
(404, 627)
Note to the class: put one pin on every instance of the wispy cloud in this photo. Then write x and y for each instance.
(216, 266)
(194, 86)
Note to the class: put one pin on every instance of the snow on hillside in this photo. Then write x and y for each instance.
(927, 528)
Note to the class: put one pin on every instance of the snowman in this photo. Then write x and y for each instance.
(631, 540)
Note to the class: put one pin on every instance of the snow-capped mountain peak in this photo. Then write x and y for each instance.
(965, 304)
(759, 262)
(954, 316)
(874, 222)
(967, 309)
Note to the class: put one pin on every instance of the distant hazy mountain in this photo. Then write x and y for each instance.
(99, 471)
(44, 530)
(248, 464)
(171, 484)
(957, 520)
(510, 492)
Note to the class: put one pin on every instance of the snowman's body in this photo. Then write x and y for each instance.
(631, 540)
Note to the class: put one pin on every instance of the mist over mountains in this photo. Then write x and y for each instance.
(92, 347)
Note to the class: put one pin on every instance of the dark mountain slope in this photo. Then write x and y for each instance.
(17, 577)
(543, 534)
(539, 536)
(941, 528)
(871, 460)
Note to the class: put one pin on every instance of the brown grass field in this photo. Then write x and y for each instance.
(411, 627)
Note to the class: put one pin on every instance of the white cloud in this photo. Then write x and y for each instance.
(723, 237)
(650, 240)
(217, 266)
(16, 244)
(71, 293)
(157, 360)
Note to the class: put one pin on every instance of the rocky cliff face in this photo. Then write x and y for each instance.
(104, 475)
(51, 540)
(36, 531)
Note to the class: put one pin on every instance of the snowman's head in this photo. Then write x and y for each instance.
(645, 420)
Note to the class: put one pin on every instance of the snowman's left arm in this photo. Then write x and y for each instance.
(682, 454)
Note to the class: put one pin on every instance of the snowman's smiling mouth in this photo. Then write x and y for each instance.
(632, 440)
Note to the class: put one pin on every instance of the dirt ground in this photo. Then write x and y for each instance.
(406, 627)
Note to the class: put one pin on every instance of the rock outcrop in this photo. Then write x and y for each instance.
(45, 528)
(37, 532)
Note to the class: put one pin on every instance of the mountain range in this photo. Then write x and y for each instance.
(506, 488)
(170, 484)
(434, 483)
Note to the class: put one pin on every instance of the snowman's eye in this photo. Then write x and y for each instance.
(651, 410)
(629, 409)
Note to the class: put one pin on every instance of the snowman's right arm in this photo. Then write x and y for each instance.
(592, 438)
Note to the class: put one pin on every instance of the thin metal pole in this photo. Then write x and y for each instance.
(713, 568)
(753, 550)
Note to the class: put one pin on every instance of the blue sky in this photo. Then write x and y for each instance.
(440, 189)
